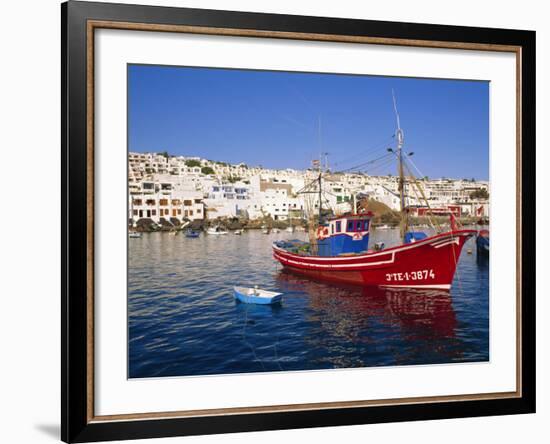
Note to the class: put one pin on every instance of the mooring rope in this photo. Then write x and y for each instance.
(275, 352)
(246, 341)
(457, 271)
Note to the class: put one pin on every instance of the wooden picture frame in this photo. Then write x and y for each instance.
(79, 22)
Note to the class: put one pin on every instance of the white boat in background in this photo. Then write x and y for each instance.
(290, 229)
(265, 230)
(238, 232)
(134, 235)
(216, 230)
(275, 230)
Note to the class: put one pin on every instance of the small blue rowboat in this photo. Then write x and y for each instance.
(257, 296)
(192, 233)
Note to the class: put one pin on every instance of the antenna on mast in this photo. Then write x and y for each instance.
(399, 132)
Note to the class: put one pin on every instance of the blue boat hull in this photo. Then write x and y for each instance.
(257, 300)
(482, 244)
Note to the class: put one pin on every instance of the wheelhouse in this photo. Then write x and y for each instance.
(344, 235)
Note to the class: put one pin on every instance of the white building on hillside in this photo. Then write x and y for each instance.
(254, 192)
(163, 200)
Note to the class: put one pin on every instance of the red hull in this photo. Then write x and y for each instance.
(429, 263)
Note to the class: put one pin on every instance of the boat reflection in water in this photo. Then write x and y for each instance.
(385, 326)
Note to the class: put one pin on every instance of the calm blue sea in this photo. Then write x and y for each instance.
(183, 319)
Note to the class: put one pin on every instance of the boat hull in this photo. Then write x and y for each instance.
(482, 244)
(430, 263)
(251, 299)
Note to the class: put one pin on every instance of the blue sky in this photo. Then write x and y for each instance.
(271, 118)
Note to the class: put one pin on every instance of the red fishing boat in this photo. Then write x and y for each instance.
(338, 250)
(426, 263)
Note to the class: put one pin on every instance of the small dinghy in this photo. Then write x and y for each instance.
(192, 233)
(257, 296)
(238, 232)
(134, 235)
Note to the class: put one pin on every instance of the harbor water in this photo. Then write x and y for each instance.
(183, 319)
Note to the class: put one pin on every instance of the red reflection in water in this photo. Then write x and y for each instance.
(420, 314)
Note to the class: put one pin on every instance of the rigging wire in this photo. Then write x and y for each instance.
(370, 162)
(326, 201)
(307, 186)
(415, 167)
(417, 187)
(367, 152)
(416, 190)
(365, 161)
(379, 166)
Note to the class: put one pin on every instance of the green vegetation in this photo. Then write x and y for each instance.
(192, 163)
(479, 194)
(207, 170)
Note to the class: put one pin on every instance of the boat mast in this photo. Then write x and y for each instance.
(404, 224)
(319, 179)
(320, 183)
(320, 196)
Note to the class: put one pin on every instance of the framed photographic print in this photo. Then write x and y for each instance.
(277, 221)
